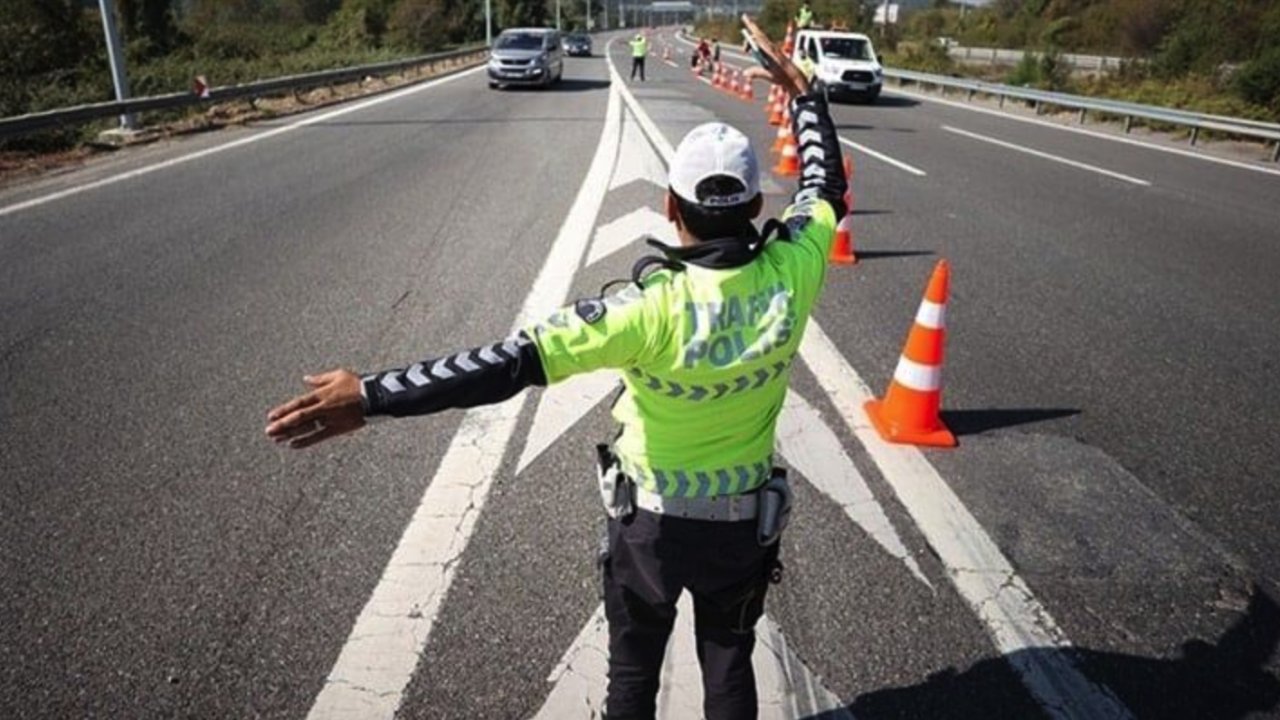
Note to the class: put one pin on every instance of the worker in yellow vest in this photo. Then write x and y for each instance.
(639, 50)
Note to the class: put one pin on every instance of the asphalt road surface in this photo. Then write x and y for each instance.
(1102, 543)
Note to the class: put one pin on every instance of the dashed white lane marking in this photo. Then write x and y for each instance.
(1256, 167)
(379, 657)
(884, 158)
(1019, 625)
(787, 688)
(1048, 156)
(312, 120)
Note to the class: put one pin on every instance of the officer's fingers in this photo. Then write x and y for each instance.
(300, 401)
(311, 438)
(284, 427)
(322, 379)
(324, 432)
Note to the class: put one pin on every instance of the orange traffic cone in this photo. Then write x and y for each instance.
(842, 249)
(788, 44)
(909, 411)
(732, 86)
(789, 162)
(770, 101)
(784, 132)
(746, 92)
(776, 114)
(717, 79)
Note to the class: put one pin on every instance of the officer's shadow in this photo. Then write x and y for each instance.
(1228, 679)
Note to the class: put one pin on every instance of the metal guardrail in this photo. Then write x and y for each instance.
(1129, 111)
(24, 124)
(1000, 55)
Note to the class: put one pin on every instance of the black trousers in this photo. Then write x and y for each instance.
(650, 559)
(637, 63)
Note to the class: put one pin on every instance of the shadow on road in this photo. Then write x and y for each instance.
(973, 422)
(891, 101)
(886, 254)
(565, 85)
(1225, 680)
(872, 212)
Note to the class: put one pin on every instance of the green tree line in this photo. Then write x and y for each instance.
(1185, 52)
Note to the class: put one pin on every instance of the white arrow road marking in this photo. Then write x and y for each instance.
(369, 677)
(815, 452)
(787, 689)
(627, 229)
(561, 407)
(636, 158)
(1015, 619)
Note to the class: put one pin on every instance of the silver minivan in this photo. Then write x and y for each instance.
(526, 56)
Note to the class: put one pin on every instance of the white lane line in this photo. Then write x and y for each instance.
(1090, 133)
(884, 158)
(312, 120)
(1048, 156)
(381, 652)
(1018, 624)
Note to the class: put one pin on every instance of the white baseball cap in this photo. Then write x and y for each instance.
(710, 150)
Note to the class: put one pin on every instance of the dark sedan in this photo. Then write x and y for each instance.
(577, 45)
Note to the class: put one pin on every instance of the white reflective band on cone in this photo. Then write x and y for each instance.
(924, 378)
(932, 315)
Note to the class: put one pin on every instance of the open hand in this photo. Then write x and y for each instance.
(784, 73)
(333, 407)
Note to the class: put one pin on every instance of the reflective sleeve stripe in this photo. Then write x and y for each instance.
(932, 315)
(390, 382)
(913, 375)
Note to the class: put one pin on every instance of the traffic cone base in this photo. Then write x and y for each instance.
(842, 248)
(894, 430)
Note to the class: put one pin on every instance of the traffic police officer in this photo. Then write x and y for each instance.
(804, 17)
(639, 51)
(705, 343)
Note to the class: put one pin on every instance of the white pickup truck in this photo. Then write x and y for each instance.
(845, 63)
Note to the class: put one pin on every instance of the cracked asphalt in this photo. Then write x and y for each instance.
(1110, 374)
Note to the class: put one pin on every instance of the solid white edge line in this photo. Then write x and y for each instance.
(148, 169)
(1048, 156)
(884, 158)
(1018, 624)
(1084, 131)
(385, 644)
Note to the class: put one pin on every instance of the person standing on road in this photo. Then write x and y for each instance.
(639, 50)
(804, 17)
(715, 50)
(705, 342)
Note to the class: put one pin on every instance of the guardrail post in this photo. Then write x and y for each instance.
(1002, 100)
(969, 96)
(119, 77)
(1275, 154)
(1082, 114)
(1128, 124)
(1195, 135)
